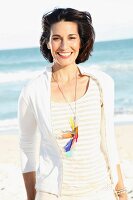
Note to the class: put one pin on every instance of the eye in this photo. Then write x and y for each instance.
(72, 38)
(56, 38)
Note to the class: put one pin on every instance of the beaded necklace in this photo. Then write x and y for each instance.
(73, 133)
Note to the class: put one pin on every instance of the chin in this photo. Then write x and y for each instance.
(65, 63)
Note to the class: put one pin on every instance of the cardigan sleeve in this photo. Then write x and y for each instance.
(108, 137)
(27, 127)
(109, 113)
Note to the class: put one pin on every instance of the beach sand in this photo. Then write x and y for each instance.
(11, 182)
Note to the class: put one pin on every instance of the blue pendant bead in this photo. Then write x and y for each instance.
(67, 147)
(69, 154)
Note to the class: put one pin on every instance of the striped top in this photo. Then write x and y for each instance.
(86, 170)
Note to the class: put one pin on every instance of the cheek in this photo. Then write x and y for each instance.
(54, 46)
(76, 45)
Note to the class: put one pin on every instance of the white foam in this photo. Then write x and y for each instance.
(123, 118)
(8, 126)
(112, 66)
(18, 76)
(11, 125)
(28, 74)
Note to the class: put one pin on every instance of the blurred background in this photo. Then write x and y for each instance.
(21, 60)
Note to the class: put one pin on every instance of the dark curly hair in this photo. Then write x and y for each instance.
(85, 30)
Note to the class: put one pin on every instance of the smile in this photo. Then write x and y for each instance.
(65, 54)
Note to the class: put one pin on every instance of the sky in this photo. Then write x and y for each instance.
(20, 20)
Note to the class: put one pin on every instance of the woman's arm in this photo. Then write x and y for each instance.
(30, 180)
(108, 135)
(27, 126)
(120, 185)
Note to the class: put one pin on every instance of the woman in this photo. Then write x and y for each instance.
(73, 108)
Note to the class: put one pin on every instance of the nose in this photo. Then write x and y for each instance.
(64, 44)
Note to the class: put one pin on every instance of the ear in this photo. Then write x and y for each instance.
(48, 45)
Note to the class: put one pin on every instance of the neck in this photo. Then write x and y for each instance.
(65, 74)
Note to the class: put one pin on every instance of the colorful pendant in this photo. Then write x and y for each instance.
(71, 134)
(67, 147)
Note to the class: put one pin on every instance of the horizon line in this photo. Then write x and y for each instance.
(98, 41)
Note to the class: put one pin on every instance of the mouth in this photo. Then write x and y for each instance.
(64, 54)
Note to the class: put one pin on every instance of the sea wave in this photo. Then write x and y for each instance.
(11, 125)
(18, 76)
(20, 64)
(28, 74)
(123, 118)
(113, 66)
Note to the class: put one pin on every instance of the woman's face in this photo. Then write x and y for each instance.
(64, 43)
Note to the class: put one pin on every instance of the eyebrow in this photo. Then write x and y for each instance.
(56, 35)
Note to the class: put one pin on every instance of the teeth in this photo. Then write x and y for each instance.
(64, 54)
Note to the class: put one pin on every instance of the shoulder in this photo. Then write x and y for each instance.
(37, 81)
(102, 77)
(35, 85)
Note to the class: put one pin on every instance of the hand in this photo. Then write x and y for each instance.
(123, 197)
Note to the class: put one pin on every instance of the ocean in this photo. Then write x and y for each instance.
(18, 66)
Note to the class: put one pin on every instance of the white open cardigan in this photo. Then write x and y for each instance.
(34, 110)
